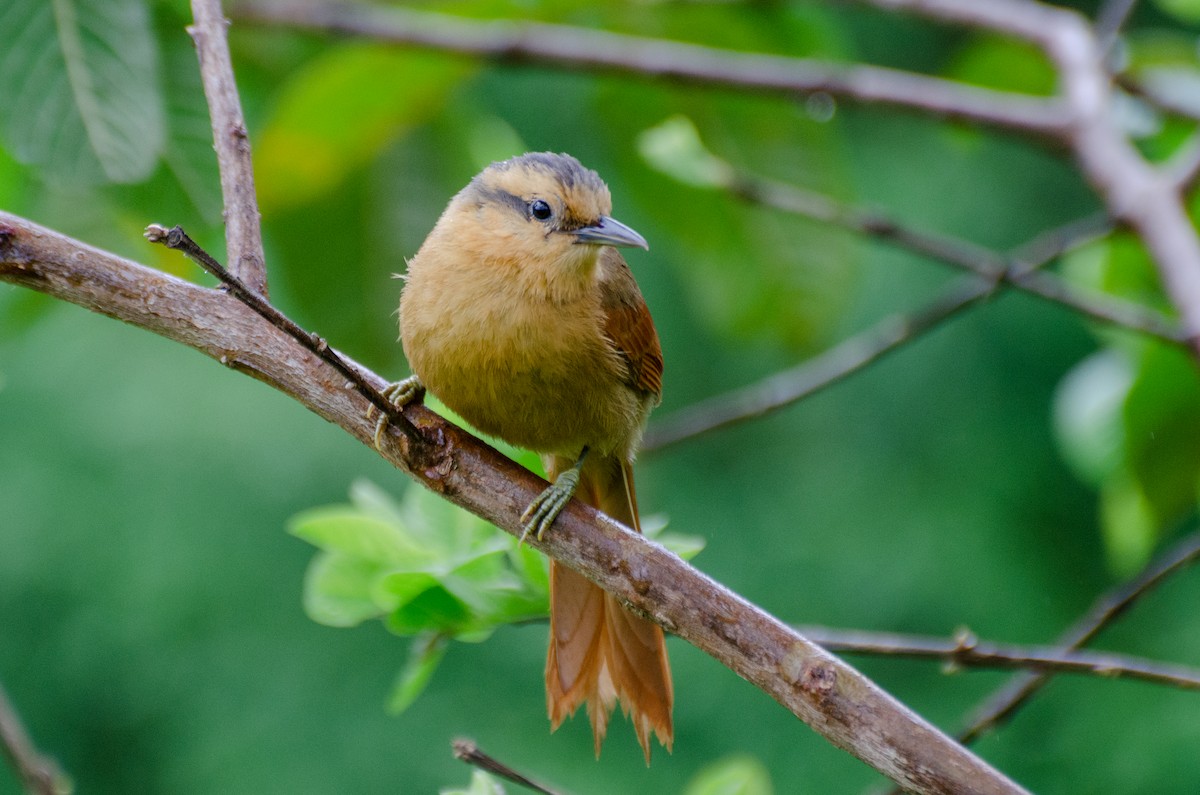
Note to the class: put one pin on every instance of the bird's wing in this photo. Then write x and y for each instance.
(628, 325)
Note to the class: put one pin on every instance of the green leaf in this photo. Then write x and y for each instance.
(674, 148)
(735, 775)
(481, 784)
(1088, 414)
(433, 609)
(1187, 10)
(1162, 431)
(424, 656)
(338, 592)
(340, 111)
(345, 529)
(82, 98)
(1004, 63)
(1129, 525)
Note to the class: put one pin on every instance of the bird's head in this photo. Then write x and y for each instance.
(542, 212)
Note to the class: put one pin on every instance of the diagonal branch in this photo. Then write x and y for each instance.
(1003, 704)
(1146, 198)
(833, 698)
(581, 48)
(789, 386)
(39, 773)
(243, 233)
(967, 651)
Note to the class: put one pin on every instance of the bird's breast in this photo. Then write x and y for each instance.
(536, 373)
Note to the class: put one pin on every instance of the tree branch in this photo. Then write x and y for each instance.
(468, 751)
(967, 651)
(833, 698)
(853, 354)
(1135, 192)
(1004, 703)
(581, 48)
(243, 233)
(39, 773)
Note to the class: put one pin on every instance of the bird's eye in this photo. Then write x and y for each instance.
(540, 209)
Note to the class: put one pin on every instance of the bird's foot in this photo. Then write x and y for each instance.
(401, 393)
(542, 512)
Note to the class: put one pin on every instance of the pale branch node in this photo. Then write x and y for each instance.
(243, 232)
(966, 651)
(468, 751)
(39, 774)
(1004, 703)
(583, 48)
(833, 698)
(786, 387)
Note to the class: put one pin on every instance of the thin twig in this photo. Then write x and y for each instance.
(961, 254)
(243, 235)
(40, 774)
(468, 751)
(582, 48)
(178, 239)
(967, 651)
(832, 697)
(1004, 703)
(851, 355)
(806, 379)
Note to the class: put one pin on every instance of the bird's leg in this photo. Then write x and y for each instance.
(542, 512)
(401, 393)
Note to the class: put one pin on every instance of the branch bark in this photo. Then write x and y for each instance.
(39, 773)
(581, 48)
(243, 232)
(829, 695)
(967, 651)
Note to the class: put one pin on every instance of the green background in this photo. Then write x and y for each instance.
(151, 626)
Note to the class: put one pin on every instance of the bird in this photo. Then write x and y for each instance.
(521, 316)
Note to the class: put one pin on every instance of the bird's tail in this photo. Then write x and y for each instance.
(600, 653)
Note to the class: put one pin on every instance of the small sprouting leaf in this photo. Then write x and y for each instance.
(349, 531)
(337, 590)
(433, 609)
(674, 148)
(481, 784)
(424, 656)
(735, 775)
(82, 94)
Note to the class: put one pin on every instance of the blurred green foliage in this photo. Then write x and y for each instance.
(998, 473)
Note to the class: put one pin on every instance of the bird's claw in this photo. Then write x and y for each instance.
(542, 512)
(401, 394)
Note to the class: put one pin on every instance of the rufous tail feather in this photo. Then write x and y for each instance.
(600, 653)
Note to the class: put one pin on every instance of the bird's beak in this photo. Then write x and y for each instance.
(610, 232)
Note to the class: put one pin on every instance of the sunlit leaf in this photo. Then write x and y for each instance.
(1088, 414)
(1187, 10)
(1004, 63)
(736, 775)
(340, 111)
(349, 531)
(674, 147)
(82, 97)
(338, 592)
(1129, 525)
